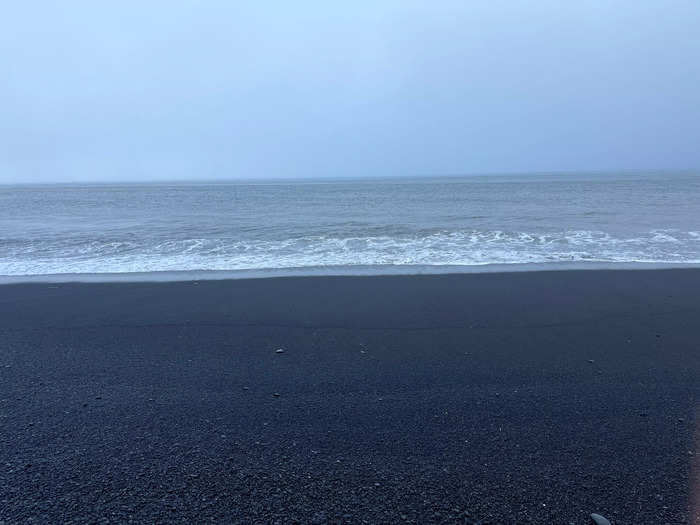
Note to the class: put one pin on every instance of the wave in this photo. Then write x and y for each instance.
(401, 247)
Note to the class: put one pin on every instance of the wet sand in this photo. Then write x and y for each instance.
(493, 398)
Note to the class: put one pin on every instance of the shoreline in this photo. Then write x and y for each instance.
(524, 397)
(344, 271)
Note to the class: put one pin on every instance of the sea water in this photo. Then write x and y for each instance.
(351, 226)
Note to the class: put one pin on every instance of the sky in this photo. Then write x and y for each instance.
(162, 90)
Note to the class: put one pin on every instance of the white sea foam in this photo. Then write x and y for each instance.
(441, 248)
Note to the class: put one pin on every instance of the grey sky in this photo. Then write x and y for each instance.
(125, 90)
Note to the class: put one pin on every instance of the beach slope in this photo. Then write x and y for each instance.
(533, 397)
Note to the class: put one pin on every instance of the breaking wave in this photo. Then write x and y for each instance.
(389, 248)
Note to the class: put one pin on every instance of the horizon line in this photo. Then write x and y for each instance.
(343, 178)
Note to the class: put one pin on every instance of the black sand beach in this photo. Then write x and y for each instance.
(505, 398)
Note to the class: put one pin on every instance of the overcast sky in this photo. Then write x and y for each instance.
(96, 91)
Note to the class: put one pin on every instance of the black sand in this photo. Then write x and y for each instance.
(510, 398)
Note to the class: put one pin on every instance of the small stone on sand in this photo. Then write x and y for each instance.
(599, 520)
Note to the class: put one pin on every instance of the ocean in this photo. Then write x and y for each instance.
(417, 225)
